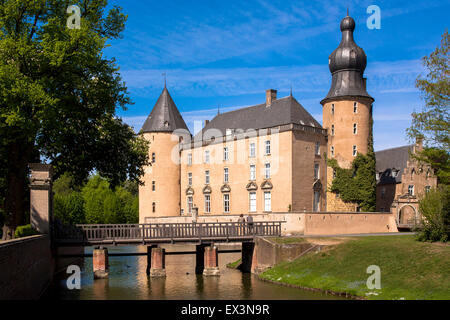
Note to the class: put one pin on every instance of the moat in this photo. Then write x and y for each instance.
(128, 280)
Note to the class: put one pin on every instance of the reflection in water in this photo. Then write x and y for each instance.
(128, 280)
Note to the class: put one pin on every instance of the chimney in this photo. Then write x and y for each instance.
(206, 123)
(271, 96)
(419, 144)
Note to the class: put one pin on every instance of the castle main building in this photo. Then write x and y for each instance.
(265, 158)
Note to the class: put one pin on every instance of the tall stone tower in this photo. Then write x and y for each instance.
(160, 194)
(347, 109)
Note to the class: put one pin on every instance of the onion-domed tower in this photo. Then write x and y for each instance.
(347, 108)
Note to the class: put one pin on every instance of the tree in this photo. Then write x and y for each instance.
(433, 122)
(58, 98)
(435, 210)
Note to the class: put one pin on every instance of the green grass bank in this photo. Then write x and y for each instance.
(409, 269)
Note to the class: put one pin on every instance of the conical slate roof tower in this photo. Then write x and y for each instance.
(165, 116)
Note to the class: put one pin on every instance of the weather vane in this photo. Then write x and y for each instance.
(164, 75)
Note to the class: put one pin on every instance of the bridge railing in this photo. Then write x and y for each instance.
(169, 231)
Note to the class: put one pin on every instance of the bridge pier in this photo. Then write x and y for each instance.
(247, 256)
(149, 258)
(158, 263)
(199, 258)
(211, 261)
(100, 263)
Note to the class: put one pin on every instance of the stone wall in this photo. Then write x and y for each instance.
(26, 267)
(349, 223)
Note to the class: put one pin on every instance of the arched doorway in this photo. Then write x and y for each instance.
(406, 215)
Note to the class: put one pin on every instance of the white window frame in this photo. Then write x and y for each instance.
(317, 148)
(355, 151)
(207, 177)
(207, 156)
(225, 154)
(189, 159)
(226, 203)
(207, 203)
(252, 172)
(226, 175)
(267, 170)
(252, 201)
(316, 171)
(411, 190)
(267, 201)
(252, 150)
(190, 203)
(267, 147)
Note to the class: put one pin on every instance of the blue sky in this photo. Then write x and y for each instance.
(227, 53)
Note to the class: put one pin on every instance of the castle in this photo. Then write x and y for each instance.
(260, 159)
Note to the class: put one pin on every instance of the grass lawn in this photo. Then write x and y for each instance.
(234, 265)
(409, 269)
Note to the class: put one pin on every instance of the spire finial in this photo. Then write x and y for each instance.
(218, 109)
(291, 91)
(347, 11)
(165, 80)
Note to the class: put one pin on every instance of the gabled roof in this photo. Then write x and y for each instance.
(165, 116)
(281, 112)
(395, 158)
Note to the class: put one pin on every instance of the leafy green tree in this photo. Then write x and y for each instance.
(69, 208)
(433, 122)
(435, 210)
(58, 98)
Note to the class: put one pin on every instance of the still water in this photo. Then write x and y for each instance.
(128, 280)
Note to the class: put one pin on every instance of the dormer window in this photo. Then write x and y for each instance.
(166, 124)
(229, 132)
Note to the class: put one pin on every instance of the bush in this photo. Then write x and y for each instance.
(435, 210)
(69, 208)
(25, 231)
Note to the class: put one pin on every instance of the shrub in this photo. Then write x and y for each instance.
(25, 231)
(69, 208)
(435, 210)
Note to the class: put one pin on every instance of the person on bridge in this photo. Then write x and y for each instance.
(250, 223)
(241, 222)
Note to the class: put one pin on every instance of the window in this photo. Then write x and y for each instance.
(189, 159)
(332, 129)
(252, 172)
(382, 209)
(394, 173)
(252, 202)
(267, 147)
(225, 175)
(252, 150)
(153, 157)
(267, 201)
(334, 173)
(226, 203)
(225, 153)
(332, 108)
(318, 148)
(190, 178)
(316, 204)
(229, 132)
(332, 150)
(427, 189)
(267, 171)
(153, 207)
(355, 107)
(190, 202)
(207, 177)
(383, 193)
(316, 171)
(207, 203)
(207, 156)
(355, 128)
(355, 151)
(411, 190)
(153, 185)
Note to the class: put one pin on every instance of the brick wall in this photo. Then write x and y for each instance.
(26, 267)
